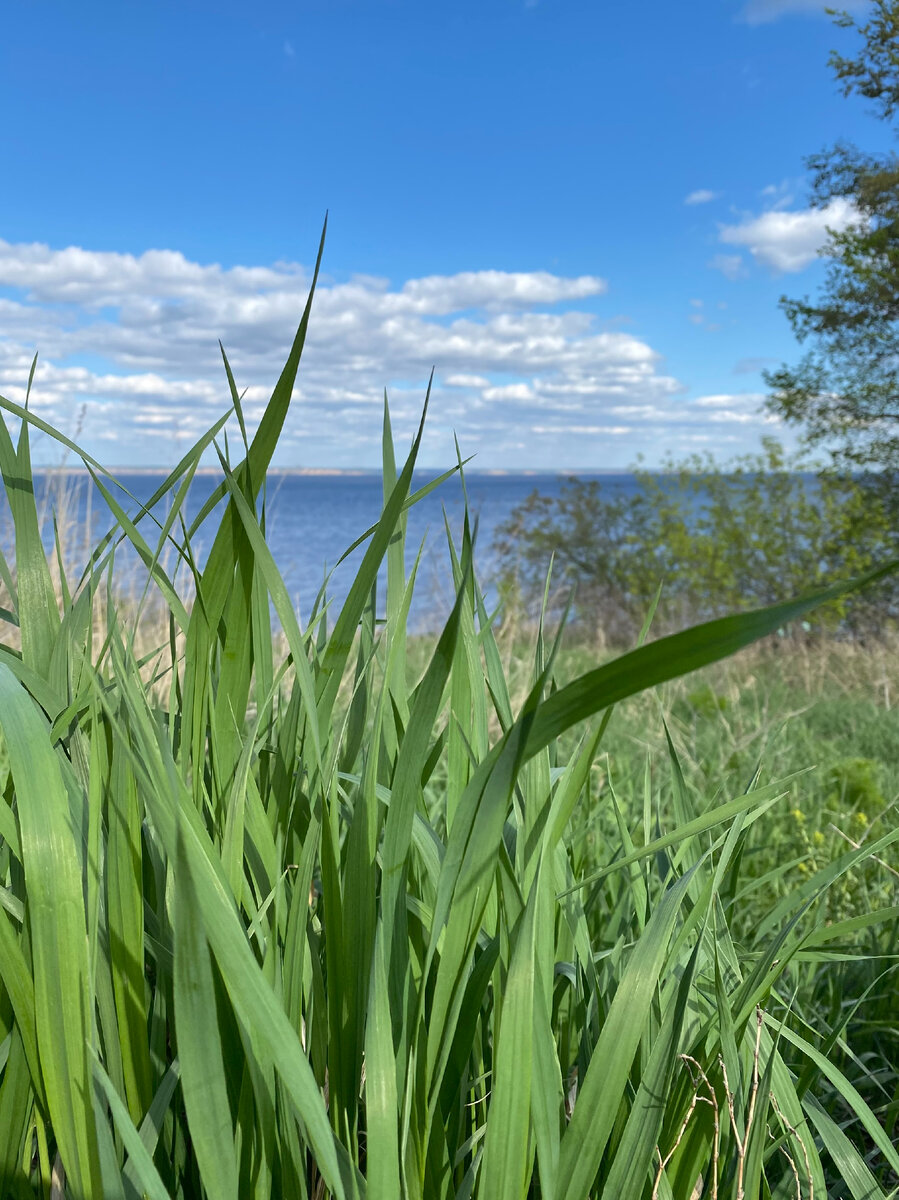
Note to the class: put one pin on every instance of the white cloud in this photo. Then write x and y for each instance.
(701, 196)
(496, 289)
(132, 342)
(582, 430)
(789, 241)
(467, 381)
(746, 400)
(509, 391)
(761, 12)
(729, 416)
(780, 195)
(734, 408)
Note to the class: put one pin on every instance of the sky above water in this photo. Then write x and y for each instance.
(581, 214)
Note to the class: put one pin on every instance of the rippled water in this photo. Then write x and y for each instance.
(312, 519)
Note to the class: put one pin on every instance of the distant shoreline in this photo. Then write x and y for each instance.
(354, 472)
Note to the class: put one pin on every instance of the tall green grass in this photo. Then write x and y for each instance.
(293, 926)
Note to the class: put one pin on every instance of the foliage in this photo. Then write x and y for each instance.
(793, 705)
(843, 391)
(856, 784)
(717, 540)
(295, 928)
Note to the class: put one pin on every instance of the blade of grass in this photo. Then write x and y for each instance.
(59, 945)
(605, 1083)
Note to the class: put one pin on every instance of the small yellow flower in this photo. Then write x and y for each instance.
(798, 816)
(803, 868)
(861, 819)
(818, 838)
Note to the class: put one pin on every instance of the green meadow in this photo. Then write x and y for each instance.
(328, 910)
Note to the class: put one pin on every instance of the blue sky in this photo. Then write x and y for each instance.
(581, 213)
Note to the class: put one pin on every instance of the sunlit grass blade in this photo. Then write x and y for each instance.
(340, 642)
(715, 816)
(140, 1162)
(507, 1161)
(604, 1085)
(846, 1157)
(126, 933)
(36, 602)
(676, 655)
(634, 1162)
(199, 1044)
(53, 875)
(382, 1110)
(251, 994)
(850, 1094)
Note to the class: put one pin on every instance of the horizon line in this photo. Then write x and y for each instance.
(130, 469)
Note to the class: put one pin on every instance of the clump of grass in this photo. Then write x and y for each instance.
(292, 925)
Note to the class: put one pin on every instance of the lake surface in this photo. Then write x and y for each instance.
(312, 519)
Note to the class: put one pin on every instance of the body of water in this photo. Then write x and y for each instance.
(312, 519)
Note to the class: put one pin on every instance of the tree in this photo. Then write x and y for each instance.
(719, 538)
(755, 530)
(844, 392)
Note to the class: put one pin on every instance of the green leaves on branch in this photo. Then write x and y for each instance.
(719, 538)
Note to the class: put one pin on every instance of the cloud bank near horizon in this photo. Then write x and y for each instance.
(526, 375)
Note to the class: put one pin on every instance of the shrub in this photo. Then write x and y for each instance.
(855, 784)
(717, 539)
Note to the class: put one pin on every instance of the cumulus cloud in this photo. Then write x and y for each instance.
(701, 196)
(789, 241)
(526, 374)
(510, 391)
(762, 12)
(467, 381)
(728, 400)
(582, 430)
(496, 289)
(728, 408)
(730, 416)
